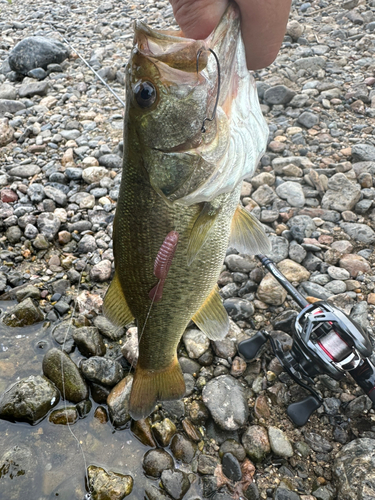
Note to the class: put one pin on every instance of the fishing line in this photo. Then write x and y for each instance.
(87, 496)
(203, 129)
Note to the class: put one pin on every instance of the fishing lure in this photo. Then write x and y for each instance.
(163, 263)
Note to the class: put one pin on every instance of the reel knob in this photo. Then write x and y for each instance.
(300, 412)
(249, 348)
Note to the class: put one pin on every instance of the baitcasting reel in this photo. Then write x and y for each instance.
(325, 341)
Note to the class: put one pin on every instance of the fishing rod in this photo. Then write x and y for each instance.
(325, 341)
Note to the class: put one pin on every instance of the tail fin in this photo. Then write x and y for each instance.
(150, 386)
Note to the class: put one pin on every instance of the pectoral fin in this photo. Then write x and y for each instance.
(115, 307)
(212, 318)
(201, 229)
(247, 234)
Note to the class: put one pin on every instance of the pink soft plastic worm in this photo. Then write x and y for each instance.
(162, 264)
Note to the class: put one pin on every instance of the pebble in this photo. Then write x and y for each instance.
(256, 443)
(111, 485)
(104, 371)
(118, 402)
(175, 482)
(156, 461)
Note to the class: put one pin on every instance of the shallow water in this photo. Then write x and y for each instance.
(57, 469)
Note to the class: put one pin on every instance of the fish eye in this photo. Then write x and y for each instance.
(145, 94)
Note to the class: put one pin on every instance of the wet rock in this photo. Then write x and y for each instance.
(142, 430)
(64, 416)
(354, 470)
(256, 443)
(29, 400)
(24, 314)
(198, 413)
(104, 371)
(164, 431)
(58, 367)
(225, 398)
(156, 461)
(36, 52)
(233, 447)
(63, 335)
(118, 402)
(129, 348)
(89, 341)
(107, 329)
(176, 483)
(17, 471)
(182, 448)
(153, 493)
(280, 444)
(108, 485)
(196, 342)
(231, 467)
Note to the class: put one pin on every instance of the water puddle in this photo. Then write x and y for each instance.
(54, 463)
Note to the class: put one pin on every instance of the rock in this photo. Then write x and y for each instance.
(48, 224)
(129, 348)
(231, 467)
(118, 402)
(285, 494)
(224, 397)
(36, 52)
(308, 119)
(108, 485)
(354, 470)
(31, 89)
(363, 152)
(89, 341)
(315, 290)
(278, 95)
(29, 400)
(280, 444)
(354, 264)
(233, 447)
(291, 192)
(56, 195)
(24, 171)
(207, 464)
(104, 371)
(102, 271)
(358, 406)
(94, 174)
(175, 483)
(292, 271)
(182, 449)
(18, 466)
(264, 195)
(310, 64)
(110, 161)
(240, 263)
(24, 314)
(256, 443)
(294, 29)
(280, 248)
(164, 431)
(87, 244)
(10, 106)
(239, 309)
(13, 234)
(317, 442)
(270, 291)
(196, 342)
(142, 430)
(107, 329)
(58, 367)
(337, 273)
(64, 416)
(7, 91)
(359, 232)
(6, 133)
(156, 461)
(342, 194)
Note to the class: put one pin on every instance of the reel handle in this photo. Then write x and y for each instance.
(300, 412)
(249, 347)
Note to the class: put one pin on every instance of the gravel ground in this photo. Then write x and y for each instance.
(60, 170)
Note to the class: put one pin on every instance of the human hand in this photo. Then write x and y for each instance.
(263, 24)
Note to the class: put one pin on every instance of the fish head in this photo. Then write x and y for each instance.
(173, 85)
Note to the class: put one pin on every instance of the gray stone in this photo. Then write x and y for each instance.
(175, 482)
(107, 329)
(256, 443)
(48, 224)
(280, 248)
(359, 314)
(354, 470)
(337, 273)
(225, 398)
(310, 64)
(359, 232)
(156, 461)
(278, 95)
(24, 171)
(56, 195)
(36, 52)
(291, 192)
(304, 223)
(317, 442)
(10, 106)
(308, 119)
(110, 161)
(315, 290)
(101, 271)
(89, 341)
(24, 314)
(29, 400)
(363, 152)
(196, 342)
(358, 406)
(31, 89)
(7, 91)
(280, 444)
(36, 192)
(240, 263)
(118, 402)
(13, 234)
(264, 195)
(335, 287)
(342, 194)
(239, 308)
(87, 244)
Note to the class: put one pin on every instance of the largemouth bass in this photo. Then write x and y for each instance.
(179, 197)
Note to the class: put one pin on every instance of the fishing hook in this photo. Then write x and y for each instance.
(203, 129)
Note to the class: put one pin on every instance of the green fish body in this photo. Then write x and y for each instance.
(177, 178)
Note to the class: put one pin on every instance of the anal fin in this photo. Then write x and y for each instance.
(247, 234)
(201, 229)
(151, 386)
(115, 307)
(212, 318)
